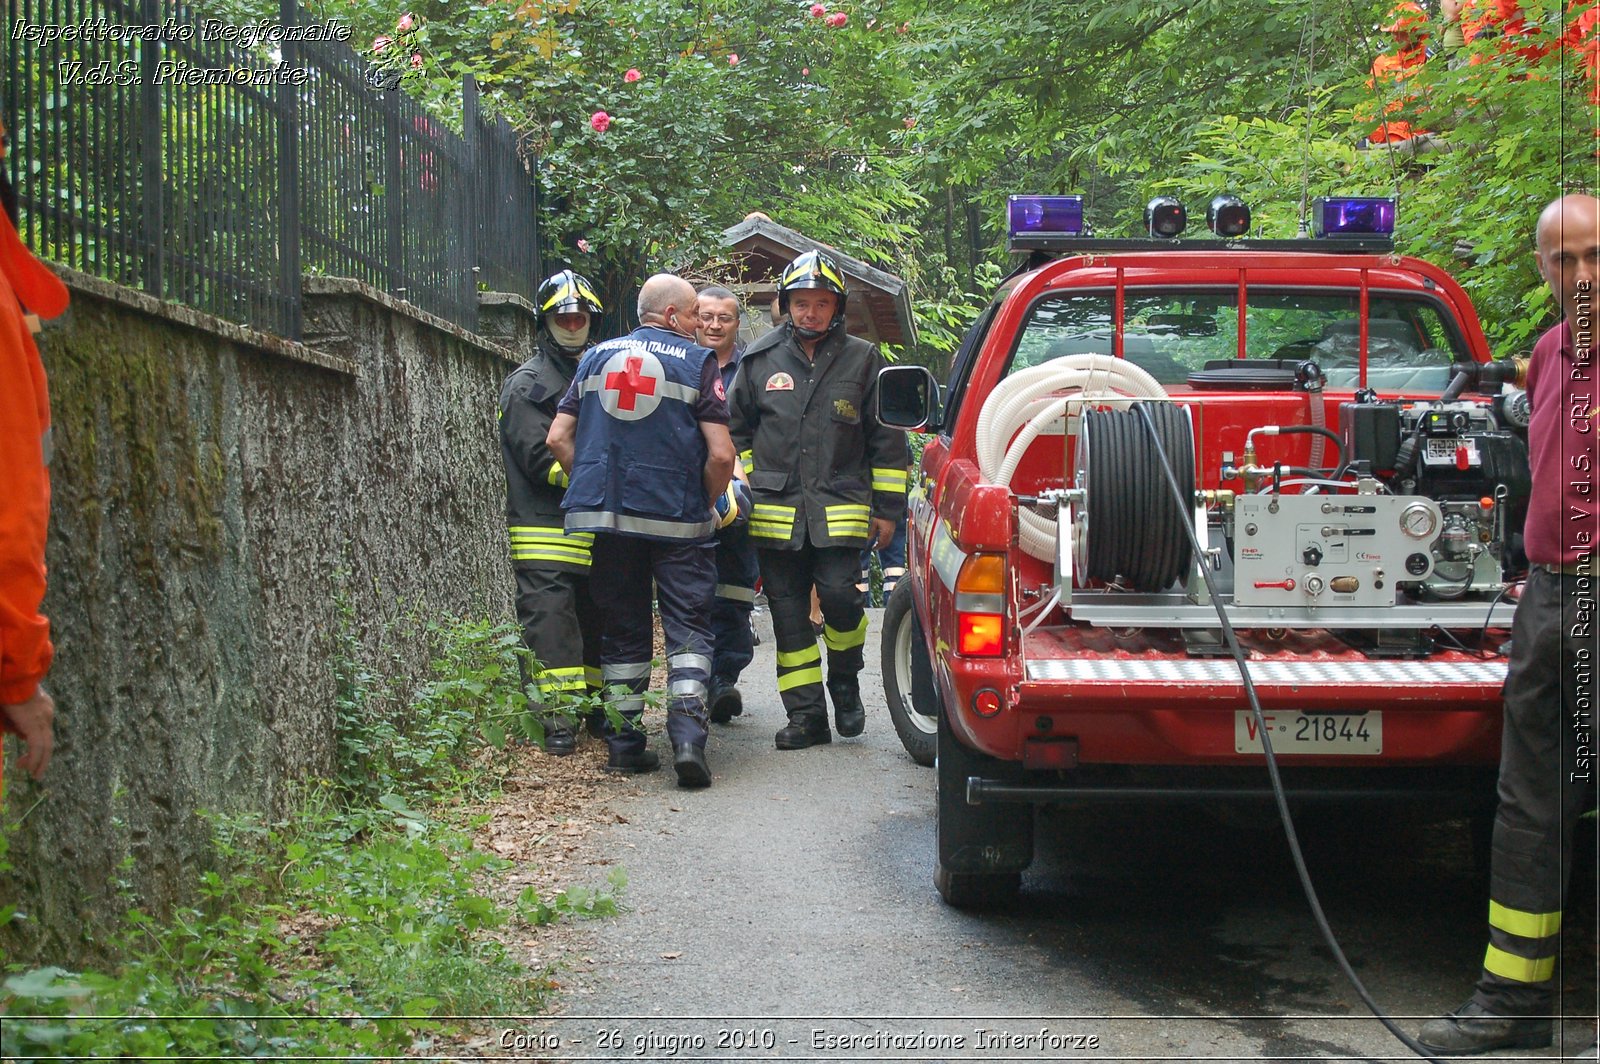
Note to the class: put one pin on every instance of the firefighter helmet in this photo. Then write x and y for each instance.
(567, 292)
(812, 270)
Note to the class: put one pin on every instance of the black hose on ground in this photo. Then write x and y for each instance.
(1181, 497)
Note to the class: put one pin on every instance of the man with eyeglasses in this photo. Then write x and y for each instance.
(733, 646)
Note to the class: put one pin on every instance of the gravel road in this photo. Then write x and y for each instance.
(789, 913)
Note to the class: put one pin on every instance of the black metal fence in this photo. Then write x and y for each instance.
(154, 160)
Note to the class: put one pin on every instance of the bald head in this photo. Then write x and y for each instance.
(667, 301)
(1568, 241)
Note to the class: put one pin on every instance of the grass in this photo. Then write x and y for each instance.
(353, 927)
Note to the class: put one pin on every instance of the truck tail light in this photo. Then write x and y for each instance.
(981, 606)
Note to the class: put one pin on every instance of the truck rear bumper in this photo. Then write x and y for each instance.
(1453, 788)
(1139, 710)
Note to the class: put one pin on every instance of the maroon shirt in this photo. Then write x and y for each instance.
(1562, 528)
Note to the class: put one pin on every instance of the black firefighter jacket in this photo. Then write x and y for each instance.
(534, 480)
(819, 464)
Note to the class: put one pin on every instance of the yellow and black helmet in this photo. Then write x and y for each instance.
(567, 292)
(812, 270)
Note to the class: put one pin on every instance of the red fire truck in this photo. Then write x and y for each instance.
(1145, 441)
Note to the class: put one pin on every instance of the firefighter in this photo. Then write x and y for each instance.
(827, 481)
(643, 433)
(1547, 775)
(560, 622)
(733, 642)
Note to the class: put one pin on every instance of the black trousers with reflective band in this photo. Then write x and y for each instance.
(1547, 780)
(737, 573)
(685, 576)
(561, 627)
(788, 576)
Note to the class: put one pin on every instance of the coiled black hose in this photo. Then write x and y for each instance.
(1135, 530)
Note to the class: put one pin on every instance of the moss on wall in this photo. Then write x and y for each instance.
(205, 494)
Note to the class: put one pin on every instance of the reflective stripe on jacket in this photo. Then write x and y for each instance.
(534, 479)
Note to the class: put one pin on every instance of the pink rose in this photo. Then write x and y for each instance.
(583, 245)
(817, 11)
(733, 60)
(632, 75)
(405, 23)
(805, 72)
(911, 121)
(599, 121)
(380, 43)
(416, 60)
(837, 19)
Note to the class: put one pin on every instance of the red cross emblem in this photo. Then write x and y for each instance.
(631, 383)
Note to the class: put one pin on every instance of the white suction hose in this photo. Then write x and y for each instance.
(1028, 401)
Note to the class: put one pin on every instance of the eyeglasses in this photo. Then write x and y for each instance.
(718, 319)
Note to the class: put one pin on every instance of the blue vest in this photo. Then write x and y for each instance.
(640, 459)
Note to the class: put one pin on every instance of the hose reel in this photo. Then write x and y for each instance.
(1129, 529)
(1047, 398)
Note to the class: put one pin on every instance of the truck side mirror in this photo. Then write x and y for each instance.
(908, 398)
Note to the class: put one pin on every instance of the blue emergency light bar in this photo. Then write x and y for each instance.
(1044, 216)
(1352, 216)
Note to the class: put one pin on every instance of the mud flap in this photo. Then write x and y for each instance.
(992, 839)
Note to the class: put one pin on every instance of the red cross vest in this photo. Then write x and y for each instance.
(639, 462)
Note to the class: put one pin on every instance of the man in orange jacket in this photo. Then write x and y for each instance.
(25, 286)
(1408, 25)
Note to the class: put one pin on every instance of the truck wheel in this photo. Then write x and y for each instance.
(908, 677)
(982, 848)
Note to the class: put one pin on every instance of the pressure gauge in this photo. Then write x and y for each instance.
(1419, 521)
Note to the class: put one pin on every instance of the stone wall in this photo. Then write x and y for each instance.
(217, 495)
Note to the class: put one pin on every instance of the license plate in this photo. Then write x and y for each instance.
(1311, 733)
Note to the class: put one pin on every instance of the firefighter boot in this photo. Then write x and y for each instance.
(804, 730)
(627, 753)
(630, 761)
(559, 737)
(1474, 1029)
(725, 702)
(689, 762)
(849, 716)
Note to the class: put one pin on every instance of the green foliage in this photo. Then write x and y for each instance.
(349, 927)
(411, 744)
(1517, 132)
(583, 902)
(897, 135)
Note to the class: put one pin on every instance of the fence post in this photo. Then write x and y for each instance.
(392, 198)
(154, 198)
(471, 201)
(530, 167)
(289, 182)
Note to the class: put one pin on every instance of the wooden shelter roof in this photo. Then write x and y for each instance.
(878, 307)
